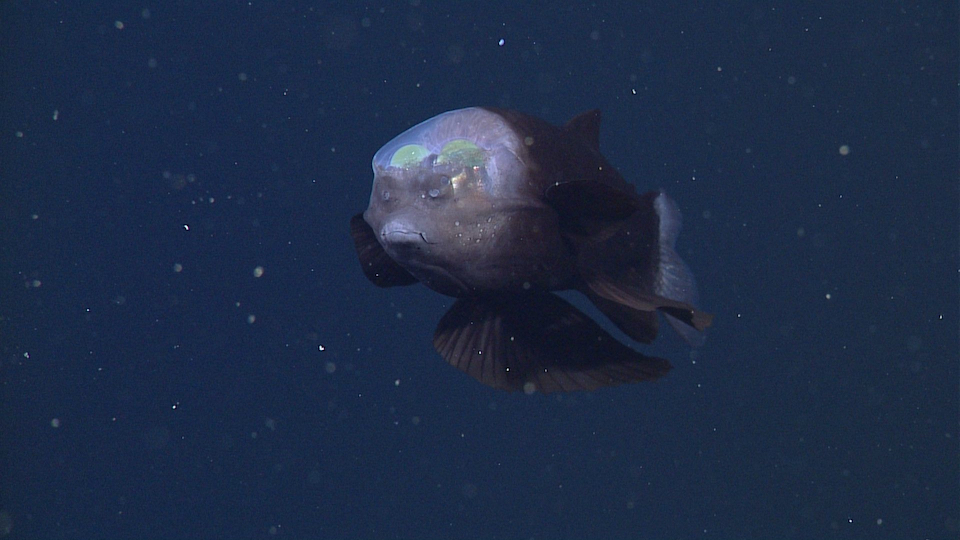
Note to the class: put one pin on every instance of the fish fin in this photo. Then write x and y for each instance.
(640, 325)
(586, 125)
(681, 312)
(674, 278)
(638, 268)
(537, 342)
(377, 265)
(588, 208)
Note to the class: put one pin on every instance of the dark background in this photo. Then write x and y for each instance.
(154, 155)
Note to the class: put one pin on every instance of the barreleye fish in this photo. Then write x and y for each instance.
(498, 209)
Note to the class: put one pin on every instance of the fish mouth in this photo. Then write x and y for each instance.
(398, 233)
(405, 236)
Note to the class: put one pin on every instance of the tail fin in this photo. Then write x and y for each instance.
(674, 279)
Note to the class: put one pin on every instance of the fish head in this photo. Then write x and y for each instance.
(452, 203)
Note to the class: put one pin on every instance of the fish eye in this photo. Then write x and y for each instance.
(444, 180)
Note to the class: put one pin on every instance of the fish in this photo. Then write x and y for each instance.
(501, 210)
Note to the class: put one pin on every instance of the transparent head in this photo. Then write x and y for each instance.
(472, 147)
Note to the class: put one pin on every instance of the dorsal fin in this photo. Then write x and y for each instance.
(586, 125)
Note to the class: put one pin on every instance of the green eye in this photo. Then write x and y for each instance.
(409, 155)
(463, 152)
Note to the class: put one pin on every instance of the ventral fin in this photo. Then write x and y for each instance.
(377, 265)
(537, 342)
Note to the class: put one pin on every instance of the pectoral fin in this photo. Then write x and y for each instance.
(588, 208)
(617, 292)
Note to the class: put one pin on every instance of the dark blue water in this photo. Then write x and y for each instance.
(154, 156)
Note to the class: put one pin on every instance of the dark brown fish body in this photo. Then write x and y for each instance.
(498, 208)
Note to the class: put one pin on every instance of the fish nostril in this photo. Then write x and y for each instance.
(434, 193)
